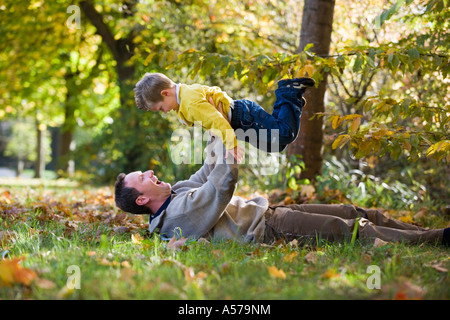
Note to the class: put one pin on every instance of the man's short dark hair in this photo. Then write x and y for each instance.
(126, 197)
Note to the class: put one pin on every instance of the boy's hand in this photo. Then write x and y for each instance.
(237, 152)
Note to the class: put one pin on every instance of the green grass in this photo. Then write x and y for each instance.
(53, 229)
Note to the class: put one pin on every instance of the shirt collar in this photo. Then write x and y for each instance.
(162, 208)
(177, 87)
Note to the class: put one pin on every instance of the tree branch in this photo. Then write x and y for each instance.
(102, 29)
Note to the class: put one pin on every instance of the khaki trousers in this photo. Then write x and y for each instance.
(337, 222)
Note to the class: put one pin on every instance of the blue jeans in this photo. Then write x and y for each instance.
(269, 132)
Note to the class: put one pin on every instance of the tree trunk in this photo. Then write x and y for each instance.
(316, 28)
(67, 133)
(122, 51)
(39, 165)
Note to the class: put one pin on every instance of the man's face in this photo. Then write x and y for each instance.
(148, 184)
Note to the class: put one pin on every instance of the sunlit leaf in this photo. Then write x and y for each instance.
(276, 273)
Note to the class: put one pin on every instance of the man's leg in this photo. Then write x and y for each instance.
(353, 212)
(379, 219)
(336, 222)
(293, 222)
(368, 230)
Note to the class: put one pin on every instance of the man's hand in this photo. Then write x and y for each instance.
(237, 153)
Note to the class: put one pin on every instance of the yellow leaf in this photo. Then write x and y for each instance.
(406, 145)
(309, 69)
(406, 219)
(276, 273)
(290, 257)
(341, 141)
(12, 272)
(378, 133)
(136, 238)
(330, 273)
(355, 124)
(189, 275)
(351, 116)
(335, 121)
(149, 58)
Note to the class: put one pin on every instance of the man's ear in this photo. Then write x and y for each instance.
(165, 93)
(142, 201)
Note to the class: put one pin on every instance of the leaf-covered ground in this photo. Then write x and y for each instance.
(59, 242)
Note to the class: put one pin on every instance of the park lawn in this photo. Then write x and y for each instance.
(60, 242)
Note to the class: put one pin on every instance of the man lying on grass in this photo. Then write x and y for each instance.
(205, 206)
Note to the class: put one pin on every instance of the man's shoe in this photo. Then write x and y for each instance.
(298, 83)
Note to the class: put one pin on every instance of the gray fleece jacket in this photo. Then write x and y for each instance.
(204, 205)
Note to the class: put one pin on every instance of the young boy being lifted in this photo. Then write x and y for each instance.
(200, 103)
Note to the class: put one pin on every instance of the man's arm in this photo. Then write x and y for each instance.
(197, 210)
(200, 177)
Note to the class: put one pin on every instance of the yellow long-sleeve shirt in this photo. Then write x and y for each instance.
(194, 107)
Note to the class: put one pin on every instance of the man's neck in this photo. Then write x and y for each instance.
(156, 205)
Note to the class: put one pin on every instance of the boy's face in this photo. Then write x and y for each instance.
(168, 103)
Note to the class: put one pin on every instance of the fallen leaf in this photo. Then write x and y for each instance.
(330, 273)
(438, 266)
(203, 240)
(293, 243)
(136, 238)
(290, 257)
(379, 243)
(307, 190)
(255, 253)
(366, 258)
(11, 272)
(288, 200)
(175, 244)
(189, 275)
(45, 283)
(121, 230)
(311, 257)
(409, 291)
(6, 235)
(276, 273)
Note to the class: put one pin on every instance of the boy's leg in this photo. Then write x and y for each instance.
(251, 123)
(273, 131)
(289, 96)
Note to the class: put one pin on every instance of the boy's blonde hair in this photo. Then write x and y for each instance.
(148, 90)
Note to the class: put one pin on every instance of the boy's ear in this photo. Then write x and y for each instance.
(165, 93)
(142, 201)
